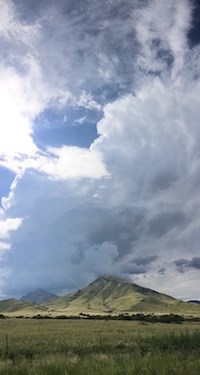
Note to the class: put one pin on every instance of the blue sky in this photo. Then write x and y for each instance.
(99, 144)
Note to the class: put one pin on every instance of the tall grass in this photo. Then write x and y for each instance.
(86, 348)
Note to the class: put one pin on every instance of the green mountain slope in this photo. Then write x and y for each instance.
(110, 294)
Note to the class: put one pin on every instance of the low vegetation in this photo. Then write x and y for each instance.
(107, 347)
(150, 318)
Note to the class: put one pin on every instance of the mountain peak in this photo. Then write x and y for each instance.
(110, 278)
(38, 296)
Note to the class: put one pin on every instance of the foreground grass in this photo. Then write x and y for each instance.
(53, 347)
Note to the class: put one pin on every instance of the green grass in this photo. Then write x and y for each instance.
(69, 347)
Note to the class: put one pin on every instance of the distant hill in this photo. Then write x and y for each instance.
(38, 296)
(194, 301)
(111, 295)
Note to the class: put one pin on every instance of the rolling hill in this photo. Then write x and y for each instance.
(105, 295)
(14, 307)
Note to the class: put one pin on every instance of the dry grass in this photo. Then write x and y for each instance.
(71, 347)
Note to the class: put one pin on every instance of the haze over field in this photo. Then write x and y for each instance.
(99, 144)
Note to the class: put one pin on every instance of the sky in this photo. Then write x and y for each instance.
(99, 144)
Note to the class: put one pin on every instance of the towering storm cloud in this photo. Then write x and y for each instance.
(99, 129)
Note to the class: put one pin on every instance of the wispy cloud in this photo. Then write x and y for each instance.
(7, 225)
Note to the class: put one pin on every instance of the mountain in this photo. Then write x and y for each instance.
(194, 301)
(38, 296)
(111, 295)
(105, 295)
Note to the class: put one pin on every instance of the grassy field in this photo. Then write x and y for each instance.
(66, 347)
